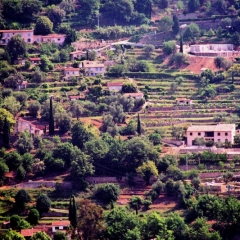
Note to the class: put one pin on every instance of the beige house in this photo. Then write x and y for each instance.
(92, 68)
(6, 35)
(134, 95)
(71, 72)
(54, 38)
(115, 86)
(213, 187)
(217, 133)
(183, 101)
(77, 54)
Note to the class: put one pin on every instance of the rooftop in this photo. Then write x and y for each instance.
(114, 84)
(35, 59)
(212, 128)
(61, 223)
(29, 232)
(88, 64)
(54, 35)
(71, 69)
(182, 99)
(13, 30)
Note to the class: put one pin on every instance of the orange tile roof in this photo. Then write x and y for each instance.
(35, 59)
(61, 223)
(29, 232)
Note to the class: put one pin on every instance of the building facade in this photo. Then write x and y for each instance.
(24, 125)
(217, 133)
(93, 68)
(71, 72)
(115, 86)
(27, 35)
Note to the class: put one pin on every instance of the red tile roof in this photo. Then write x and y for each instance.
(61, 223)
(182, 99)
(77, 97)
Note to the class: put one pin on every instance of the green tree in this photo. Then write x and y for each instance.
(165, 24)
(56, 14)
(12, 235)
(10, 118)
(76, 109)
(22, 197)
(193, 5)
(51, 119)
(43, 203)
(43, 26)
(6, 134)
(34, 108)
(129, 88)
(169, 47)
(13, 160)
(33, 216)
(120, 222)
(146, 170)
(163, 4)
(11, 104)
(24, 224)
(15, 221)
(80, 134)
(16, 48)
(191, 32)
(24, 143)
(73, 212)
(107, 192)
(148, 49)
(155, 138)
(227, 176)
(21, 173)
(175, 26)
(45, 64)
(40, 236)
(220, 62)
(63, 122)
(199, 141)
(60, 236)
(135, 203)
(3, 169)
(139, 127)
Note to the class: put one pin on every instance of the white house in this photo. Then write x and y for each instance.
(60, 225)
(92, 68)
(22, 85)
(212, 50)
(217, 133)
(71, 72)
(54, 38)
(115, 86)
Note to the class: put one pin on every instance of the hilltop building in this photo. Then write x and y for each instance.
(217, 133)
(212, 50)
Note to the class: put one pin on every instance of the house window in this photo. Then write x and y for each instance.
(67, 72)
(190, 134)
(219, 134)
(8, 35)
(58, 39)
(29, 34)
(226, 134)
(29, 40)
(3, 35)
(199, 134)
(219, 140)
(226, 140)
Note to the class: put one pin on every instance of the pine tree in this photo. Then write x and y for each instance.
(175, 26)
(6, 134)
(51, 119)
(139, 128)
(74, 213)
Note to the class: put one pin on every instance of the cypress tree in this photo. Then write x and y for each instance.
(139, 128)
(51, 119)
(181, 44)
(6, 134)
(74, 213)
(70, 210)
(175, 26)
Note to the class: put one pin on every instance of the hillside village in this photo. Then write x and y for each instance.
(119, 119)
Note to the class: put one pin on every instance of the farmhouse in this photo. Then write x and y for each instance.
(217, 133)
(71, 72)
(22, 85)
(24, 125)
(215, 187)
(35, 60)
(77, 55)
(134, 95)
(27, 35)
(183, 101)
(54, 38)
(115, 86)
(93, 68)
(212, 50)
(60, 225)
